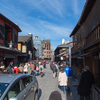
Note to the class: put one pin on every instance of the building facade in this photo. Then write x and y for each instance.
(63, 52)
(46, 49)
(86, 40)
(8, 41)
(25, 45)
(37, 45)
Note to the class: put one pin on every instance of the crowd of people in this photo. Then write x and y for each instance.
(34, 67)
(62, 71)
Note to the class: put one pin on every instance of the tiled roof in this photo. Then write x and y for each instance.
(23, 38)
(64, 45)
(6, 19)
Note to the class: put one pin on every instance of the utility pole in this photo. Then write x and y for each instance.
(70, 56)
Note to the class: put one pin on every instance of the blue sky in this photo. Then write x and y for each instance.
(48, 19)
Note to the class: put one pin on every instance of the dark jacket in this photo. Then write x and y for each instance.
(85, 84)
(54, 68)
(9, 70)
(55, 95)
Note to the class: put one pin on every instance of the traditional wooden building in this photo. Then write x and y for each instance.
(8, 40)
(25, 45)
(86, 42)
(63, 52)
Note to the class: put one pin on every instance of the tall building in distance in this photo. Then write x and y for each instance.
(46, 49)
(37, 44)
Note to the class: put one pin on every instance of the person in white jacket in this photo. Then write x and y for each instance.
(62, 79)
(26, 68)
(41, 69)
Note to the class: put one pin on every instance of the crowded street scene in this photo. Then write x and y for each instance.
(48, 76)
(50, 50)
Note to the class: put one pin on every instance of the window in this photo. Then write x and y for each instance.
(1, 32)
(19, 46)
(15, 90)
(3, 87)
(15, 38)
(24, 49)
(27, 81)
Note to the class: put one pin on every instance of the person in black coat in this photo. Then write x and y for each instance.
(85, 84)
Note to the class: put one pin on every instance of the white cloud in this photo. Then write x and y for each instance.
(55, 13)
(47, 7)
(75, 7)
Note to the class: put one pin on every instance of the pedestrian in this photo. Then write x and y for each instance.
(55, 95)
(26, 68)
(64, 64)
(44, 64)
(35, 64)
(69, 74)
(85, 84)
(62, 79)
(57, 70)
(9, 69)
(51, 65)
(39, 62)
(32, 68)
(37, 70)
(21, 69)
(54, 70)
(2, 67)
(41, 69)
(16, 70)
(68, 71)
(29, 68)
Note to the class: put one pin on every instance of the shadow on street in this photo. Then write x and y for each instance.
(40, 93)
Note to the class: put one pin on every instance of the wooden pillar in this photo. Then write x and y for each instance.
(93, 65)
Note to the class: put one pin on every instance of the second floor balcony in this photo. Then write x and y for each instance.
(91, 39)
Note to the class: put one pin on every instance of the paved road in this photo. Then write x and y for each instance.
(47, 84)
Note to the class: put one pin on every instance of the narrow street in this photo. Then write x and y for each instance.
(47, 84)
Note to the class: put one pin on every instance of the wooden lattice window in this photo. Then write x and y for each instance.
(1, 32)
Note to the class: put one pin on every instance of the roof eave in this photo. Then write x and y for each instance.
(87, 8)
(5, 18)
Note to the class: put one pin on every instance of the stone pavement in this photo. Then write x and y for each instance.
(47, 84)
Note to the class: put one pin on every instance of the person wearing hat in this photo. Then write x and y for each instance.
(85, 84)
